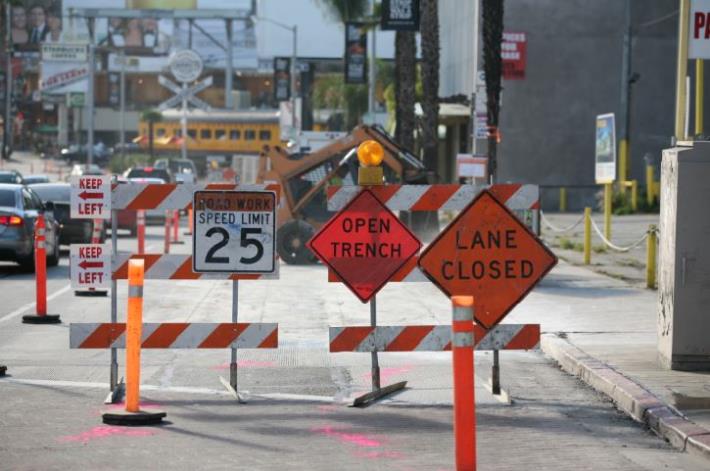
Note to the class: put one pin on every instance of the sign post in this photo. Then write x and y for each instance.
(605, 163)
(234, 232)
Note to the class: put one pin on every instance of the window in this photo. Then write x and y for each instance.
(205, 134)
(7, 198)
(249, 134)
(265, 135)
(192, 133)
(160, 132)
(235, 134)
(220, 134)
(27, 200)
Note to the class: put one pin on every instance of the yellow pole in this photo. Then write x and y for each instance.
(607, 210)
(681, 69)
(563, 199)
(587, 236)
(623, 163)
(651, 258)
(650, 186)
(134, 326)
(634, 195)
(699, 91)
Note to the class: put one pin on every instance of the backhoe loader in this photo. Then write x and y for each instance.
(305, 177)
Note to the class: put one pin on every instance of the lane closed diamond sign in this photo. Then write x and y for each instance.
(487, 253)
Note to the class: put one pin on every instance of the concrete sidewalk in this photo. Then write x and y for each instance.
(609, 341)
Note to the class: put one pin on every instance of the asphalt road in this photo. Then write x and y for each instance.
(295, 418)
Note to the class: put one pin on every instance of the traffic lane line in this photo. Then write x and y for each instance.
(27, 307)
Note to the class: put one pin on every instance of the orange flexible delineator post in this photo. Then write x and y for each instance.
(40, 259)
(462, 346)
(176, 227)
(189, 223)
(133, 415)
(140, 230)
(166, 247)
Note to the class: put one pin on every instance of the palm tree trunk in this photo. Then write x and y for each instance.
(405, 79)
(492, 37)
(430, 82)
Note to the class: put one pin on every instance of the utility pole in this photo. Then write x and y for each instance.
(682, 71)
(474, 77)
(624, 122)
(229, 68)
(293, 80)
(122, 86)
(90, 104)
(7, 132)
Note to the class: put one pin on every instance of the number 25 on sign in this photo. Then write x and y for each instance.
(234, 231)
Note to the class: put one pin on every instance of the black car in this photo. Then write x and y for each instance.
(149, 172)
(75, 153)
(11, 176)
(73, 231)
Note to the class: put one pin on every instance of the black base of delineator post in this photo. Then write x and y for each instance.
(96, 293)
(37, 319)
(3, 369)
(187, 233)
(133, 419)
(374, 396)
(177, 242)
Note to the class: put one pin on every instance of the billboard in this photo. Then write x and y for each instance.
(605, 149)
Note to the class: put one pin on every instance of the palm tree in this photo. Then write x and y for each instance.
(492, 37)
(405, 80)
(151, 116)
(346, 10)
(430, 81)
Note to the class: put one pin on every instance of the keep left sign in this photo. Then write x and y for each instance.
(90, 266)
(90, 197)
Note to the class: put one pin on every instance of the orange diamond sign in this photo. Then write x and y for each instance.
(488, 253)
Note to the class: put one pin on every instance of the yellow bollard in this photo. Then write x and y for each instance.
(608, 192)
(134, 326)
(651, 258)
(587, 236)
(623, 163)
(563, 199)
(650, 186)
(634, 195)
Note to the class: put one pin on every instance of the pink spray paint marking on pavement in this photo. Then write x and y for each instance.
(352, 438)
(106, 431)
(246, 364)
(386, 374)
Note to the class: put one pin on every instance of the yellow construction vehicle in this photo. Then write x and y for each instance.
(304, 179)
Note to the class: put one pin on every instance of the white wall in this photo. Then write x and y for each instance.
(456, 29)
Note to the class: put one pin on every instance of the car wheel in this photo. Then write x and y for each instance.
(27, 263)
(291, 243)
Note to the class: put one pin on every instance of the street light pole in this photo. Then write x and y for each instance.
(7, 132)
(293, 78)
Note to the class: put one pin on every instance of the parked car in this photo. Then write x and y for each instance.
(149, 172)
(11, 176)
(184, 170)
(84, 169)
(19, 208)
(72, 231)
(32, 179)
(76, 153)
(127, 218)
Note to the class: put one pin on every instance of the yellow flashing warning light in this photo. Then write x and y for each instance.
(370, 153)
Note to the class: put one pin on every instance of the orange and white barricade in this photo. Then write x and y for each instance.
(172, 198)
(373, 339)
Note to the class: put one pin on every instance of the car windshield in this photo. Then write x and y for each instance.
(7, 198)
(8, 178)
(52, 192)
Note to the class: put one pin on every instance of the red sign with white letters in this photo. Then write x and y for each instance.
(365, 244)
(513, 52)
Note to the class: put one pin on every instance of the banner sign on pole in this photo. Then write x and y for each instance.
(513, 55)
(355, 53)
(282, 78)
(400, 15)
(605, 149)
(699, 30)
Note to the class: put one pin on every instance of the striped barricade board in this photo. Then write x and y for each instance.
(177, 335)
(177, 267)
(442, 197)
(134, 196)
(430, 338)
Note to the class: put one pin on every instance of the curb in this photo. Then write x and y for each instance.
(629, 396)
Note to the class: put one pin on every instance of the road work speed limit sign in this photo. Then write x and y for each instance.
(234, 232)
